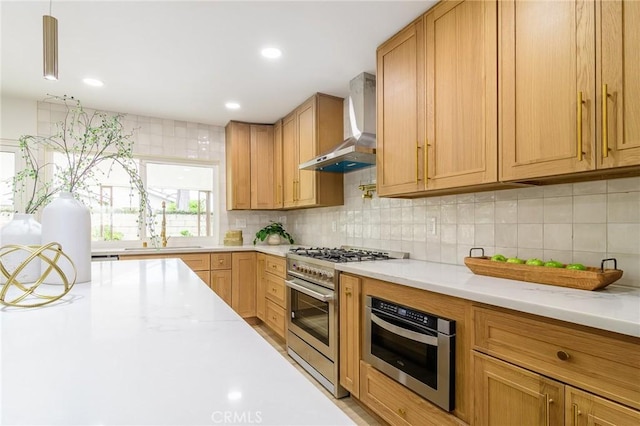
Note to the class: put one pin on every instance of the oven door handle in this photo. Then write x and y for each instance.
(411, 335)
(315, 292)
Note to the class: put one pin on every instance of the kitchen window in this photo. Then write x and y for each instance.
(186, 189)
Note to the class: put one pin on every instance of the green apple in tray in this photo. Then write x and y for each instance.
(550, 271)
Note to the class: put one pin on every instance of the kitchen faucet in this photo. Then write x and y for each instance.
(163, 229)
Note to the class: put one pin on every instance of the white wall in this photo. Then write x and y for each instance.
(17, 117)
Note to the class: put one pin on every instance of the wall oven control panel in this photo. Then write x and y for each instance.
(410, 315)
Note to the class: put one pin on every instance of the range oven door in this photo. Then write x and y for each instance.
(312, 315)
(420, 358)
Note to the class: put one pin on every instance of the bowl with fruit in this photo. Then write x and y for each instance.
(541, 271)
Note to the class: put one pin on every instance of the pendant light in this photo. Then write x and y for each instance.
(50, 46)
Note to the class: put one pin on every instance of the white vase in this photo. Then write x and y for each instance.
(23, 230)
(68, 222)
(273, 239)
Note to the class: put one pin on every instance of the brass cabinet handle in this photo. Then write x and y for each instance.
(563, 356)
(576, 413)
(605, 122)
(347, 292)
(402, 411)
(426, 169)
(579, 104)
(548, 416)
(418, 161)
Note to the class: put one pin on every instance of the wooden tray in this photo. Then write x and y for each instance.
(591, 279)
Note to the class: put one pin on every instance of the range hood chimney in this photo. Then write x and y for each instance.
(359, 149)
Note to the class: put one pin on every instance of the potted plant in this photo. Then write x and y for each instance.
(86, 140)
(273, 233)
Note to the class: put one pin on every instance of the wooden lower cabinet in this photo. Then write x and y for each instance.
(243, 283)
(260, 287)
(396, 404)
(508, 395)
(585, 409)
(221, 284)
(199, 263)
(272, 292)
(350, 332)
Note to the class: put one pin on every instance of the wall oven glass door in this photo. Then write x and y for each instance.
(311, 315)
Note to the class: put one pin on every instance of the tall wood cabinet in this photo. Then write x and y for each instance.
(400, 112)
(569, 83)
(251, 166)
(313, 128)
(462, 108)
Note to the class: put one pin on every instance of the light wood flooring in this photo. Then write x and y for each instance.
(351, 408)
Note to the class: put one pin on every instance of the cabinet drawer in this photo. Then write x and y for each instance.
(220, 261)
(275, 318)
(276, 266)
(275, 289)
(397, 404)
(603, 363)
(196, 261)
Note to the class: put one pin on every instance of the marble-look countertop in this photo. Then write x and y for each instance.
(147, 343)
(614, 308)
(280, 250)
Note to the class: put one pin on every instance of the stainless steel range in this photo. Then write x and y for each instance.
(312, 304)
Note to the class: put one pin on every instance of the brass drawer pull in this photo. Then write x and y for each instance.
(402, 411)
(563, 356)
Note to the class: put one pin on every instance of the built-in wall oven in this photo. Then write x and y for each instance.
(415, 348)
(312, 302)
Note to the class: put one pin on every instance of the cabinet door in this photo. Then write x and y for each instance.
(260, 286)
(585, 409)
(262, 160)
(278, 164)
(243, 284)
(508, 395)
(619, 89)
(462, 122)
(221, 284)
(289, 160)
(546, 51)
(238, 165)
(350, 334)
(307, 149)
(400, 112)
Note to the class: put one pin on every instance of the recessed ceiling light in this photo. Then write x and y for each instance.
(232, 105)
(92, 82)
(271, 52)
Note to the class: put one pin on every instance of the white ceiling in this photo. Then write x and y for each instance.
(184, 59)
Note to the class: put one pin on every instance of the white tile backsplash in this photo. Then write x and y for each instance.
(580, 222)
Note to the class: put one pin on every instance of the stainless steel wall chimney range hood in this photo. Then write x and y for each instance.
(359, 149)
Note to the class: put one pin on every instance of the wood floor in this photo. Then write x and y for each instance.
(351, 408)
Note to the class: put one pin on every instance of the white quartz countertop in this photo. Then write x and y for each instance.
(614, 308)
(147, 343)
(280, 250)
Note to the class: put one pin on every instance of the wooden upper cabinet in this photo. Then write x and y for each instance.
(547, 51)
(619, 83)
(289, 156)
(277, 164)
(238, 165)
(262, 167)
(307, 149)
(313, 128)
(400, 112)
(461, 58)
